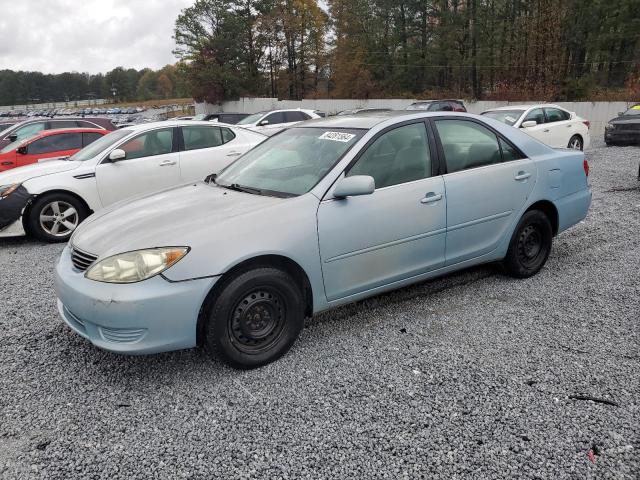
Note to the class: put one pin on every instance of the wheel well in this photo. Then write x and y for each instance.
(274, 261)
(50, 192)
(550, 210)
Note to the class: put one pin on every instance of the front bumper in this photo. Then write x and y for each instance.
(622, 136)
(151, 316)
(12, 206)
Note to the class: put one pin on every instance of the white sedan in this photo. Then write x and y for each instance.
(49, 199)
(273, 121)
(551, 124)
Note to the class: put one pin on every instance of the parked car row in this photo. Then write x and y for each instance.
(321, 214)
(52, 112)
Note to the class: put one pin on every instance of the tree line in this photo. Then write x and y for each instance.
(491, 49)
(119, 84)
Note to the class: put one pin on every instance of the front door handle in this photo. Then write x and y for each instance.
(431, 197)
(546, 130)
(522, 176)
(6, 163)
(234, 154)
(167, 163)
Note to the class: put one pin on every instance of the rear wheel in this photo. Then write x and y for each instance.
(530, 245)
(576, 143)
(255, 319)
(53, 217)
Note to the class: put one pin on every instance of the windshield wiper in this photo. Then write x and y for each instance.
(243, 188)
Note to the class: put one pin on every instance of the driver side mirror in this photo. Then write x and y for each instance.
(13, 137)
(22, 150)
(354, 186)
(620, 114)
(263, 123)
(528, 123)
(117, 154)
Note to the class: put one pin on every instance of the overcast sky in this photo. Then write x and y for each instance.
(54, 36)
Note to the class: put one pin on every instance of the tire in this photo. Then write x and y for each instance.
(255, 319)
(530, 245)
(46, 218)
(576, 143)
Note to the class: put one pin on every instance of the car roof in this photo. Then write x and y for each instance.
(141, 127)
(368, 120)
(54, 131)
(526, 107)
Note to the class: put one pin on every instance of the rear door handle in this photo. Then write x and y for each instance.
(546, 130)
(234, 154)
(431, 197)
(167, 163)
(522, 176)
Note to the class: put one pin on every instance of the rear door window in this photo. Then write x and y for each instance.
(89, 137)
(467, 145)
(198, 137)
(556, 115)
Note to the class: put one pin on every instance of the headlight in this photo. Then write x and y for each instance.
(609, 126)
(135, 266)
(6, 190)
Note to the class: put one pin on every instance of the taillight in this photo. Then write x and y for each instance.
(587, 123)
(585, 165)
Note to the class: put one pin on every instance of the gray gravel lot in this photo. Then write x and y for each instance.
(474, 375)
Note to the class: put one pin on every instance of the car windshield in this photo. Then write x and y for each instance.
(290, 163)
(14, 145)
(99, 145)
(509, 117)
(635, 110)
(251, 118)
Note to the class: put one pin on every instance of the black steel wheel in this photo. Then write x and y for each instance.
(254, 318)
(530, 245)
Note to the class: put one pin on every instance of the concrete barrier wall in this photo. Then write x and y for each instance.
(51, 105)
(599, 113)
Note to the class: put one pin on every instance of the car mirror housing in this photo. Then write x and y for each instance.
(529, 123)
(22, 150)
(13, 137)
(354, 186)
(263, 123)
(117, 154)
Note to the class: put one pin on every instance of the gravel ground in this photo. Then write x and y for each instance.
(474, 375)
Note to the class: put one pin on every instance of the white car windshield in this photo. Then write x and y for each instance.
(289, 163)
(99, 145)
(251, 118)
(505, 116)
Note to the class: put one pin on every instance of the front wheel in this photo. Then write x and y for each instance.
(530, 245)
(53, 217)
(576, 143)
(255, 319)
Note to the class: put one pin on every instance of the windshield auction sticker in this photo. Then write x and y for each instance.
(337, 136)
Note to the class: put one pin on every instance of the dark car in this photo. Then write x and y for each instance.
(222, 117)
(625, 128)
(31, 127)
(438, 106)
(6, 124)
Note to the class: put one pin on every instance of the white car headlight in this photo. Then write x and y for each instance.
(610, 126)
(136, 266)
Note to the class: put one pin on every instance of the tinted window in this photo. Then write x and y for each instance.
(63, 124)
(294, 116)
(227, 135)
(275, 118)
(535, 115)
(29, 130)
(467, 145)
(55, 143)
(85, 124)
(508, 152)
(556, 115)
(156, 142)
(201, 137)
(398, 156)
(88, 138)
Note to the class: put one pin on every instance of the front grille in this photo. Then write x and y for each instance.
(81, 260)
(629, 126)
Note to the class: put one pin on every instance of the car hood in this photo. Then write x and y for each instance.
(47, 167)
(626, 119)
(181, 216)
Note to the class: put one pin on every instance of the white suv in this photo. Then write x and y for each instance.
(273, 121)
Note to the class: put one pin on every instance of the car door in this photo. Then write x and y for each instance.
(487, 182)
(559, 124)
(393, 234)
(206, 150)
(59, 145)
(540, 131)
(151, 164)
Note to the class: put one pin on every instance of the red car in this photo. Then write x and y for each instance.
(47, 144)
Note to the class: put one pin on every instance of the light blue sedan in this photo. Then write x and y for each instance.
(323, 214)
